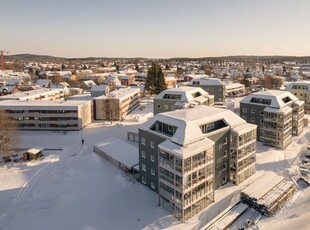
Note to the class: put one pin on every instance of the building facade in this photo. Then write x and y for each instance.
(278, 115)
(185, 155)
(49, 115)
(213, 86)
(302, 91)
(116, 104)
(180, 98)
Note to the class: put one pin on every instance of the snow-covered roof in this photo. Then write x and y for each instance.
(182, 151)
(121, 151)
(300, 83)
(98, 88)
(120, 94)
(170, 78)
(206, 81)
(244, 128)
(233, 86)
(31, 94)
(42, 105)
(189, 120)
(276, 97)
(41, 82)
(186, 93)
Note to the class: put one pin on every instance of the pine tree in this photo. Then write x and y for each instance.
(155, 81)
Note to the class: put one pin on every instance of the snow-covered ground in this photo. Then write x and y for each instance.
(74, 188)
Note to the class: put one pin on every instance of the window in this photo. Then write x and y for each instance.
(244, 110)
(261, 121)
(252, 119)
(169, 128)
(143, 180)
(143, 167)
(262, 113)
(153, 158)
(143, 140)
(225, 141)
(224, 179)
(158, 106)
(166, 107)
(152, 185)
(143, 154)
(224, 166)
(225, 153)
(153, 172)
(152, 144)
(261, 130)
(253, 111)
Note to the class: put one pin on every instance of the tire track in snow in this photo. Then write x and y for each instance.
(30, 190)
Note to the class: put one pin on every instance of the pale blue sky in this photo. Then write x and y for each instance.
(155, 28)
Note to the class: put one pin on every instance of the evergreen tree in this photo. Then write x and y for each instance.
(155, 81)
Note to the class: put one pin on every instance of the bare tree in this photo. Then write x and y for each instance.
(8, 137)
(112, 109)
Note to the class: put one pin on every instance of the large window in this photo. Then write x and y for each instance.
(143, 167)
(143, 153)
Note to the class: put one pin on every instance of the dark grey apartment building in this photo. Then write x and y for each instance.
(181, 98)
(213, 86)
(278, 115)
(185, 155)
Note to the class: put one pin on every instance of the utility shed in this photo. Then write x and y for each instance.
(268, 194)
(120, 153)
(32, 154)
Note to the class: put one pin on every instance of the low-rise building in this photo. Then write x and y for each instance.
(278, 115)
(38, 94)
(234, 89)
(181, 98)
(302, 91)
(185, 155)
(49, 115)
(116, 104)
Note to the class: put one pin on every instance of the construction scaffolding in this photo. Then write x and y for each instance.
(268, 194)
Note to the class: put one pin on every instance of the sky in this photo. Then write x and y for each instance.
(155, 28)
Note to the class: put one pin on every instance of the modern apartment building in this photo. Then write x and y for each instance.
(278, 115)
(49, 115)
(116, 104)
(38, 94)
(213, 86)
(181, 98)
(302, 91)
(185, 155)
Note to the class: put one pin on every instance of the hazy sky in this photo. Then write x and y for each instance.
(155, 28)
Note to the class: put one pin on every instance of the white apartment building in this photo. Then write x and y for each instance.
(38, 94)
(48, 115)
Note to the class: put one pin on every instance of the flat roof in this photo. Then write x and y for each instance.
(121, 151)
(120, 94)
(30, 94)
(57, 104)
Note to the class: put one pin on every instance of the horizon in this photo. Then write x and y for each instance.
(124, 57)
(155, 30)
